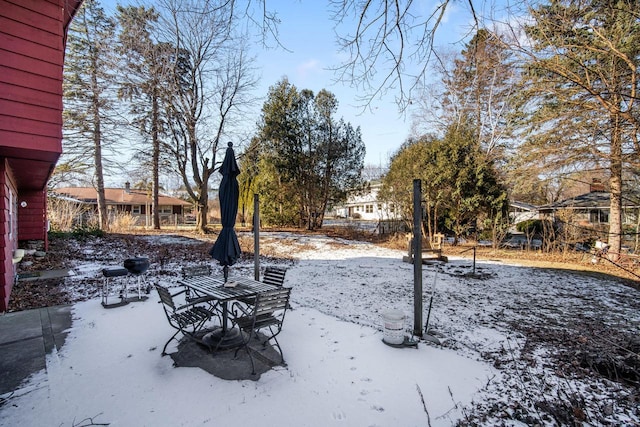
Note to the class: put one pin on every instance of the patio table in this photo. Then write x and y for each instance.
(214, 288)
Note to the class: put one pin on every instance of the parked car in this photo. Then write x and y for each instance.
(520, 241)
(450, 240)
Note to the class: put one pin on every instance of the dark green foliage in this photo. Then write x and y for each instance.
(308, 159)
(460, 184)
(78, 233)
(533, 227)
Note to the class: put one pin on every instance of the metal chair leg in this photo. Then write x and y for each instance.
(164, 349)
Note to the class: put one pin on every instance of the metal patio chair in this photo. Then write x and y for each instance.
(188, 319)
(274, 275)
(195, 271)
(263, 319)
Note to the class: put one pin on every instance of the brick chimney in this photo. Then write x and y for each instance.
(596, 186)
(127, 187)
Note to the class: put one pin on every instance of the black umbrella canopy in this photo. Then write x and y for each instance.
(226, 249)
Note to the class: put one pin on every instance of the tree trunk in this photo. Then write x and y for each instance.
(102, 202)
(202, 208)
(615, 183)
(156, 160)
(97, 152)
(637, 230)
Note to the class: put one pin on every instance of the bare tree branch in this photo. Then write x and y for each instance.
(390, 48)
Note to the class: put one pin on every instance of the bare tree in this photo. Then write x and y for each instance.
(210, 85)
(477, 86)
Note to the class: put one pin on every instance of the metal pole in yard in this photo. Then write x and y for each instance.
(474, 260)
(417, 258)
(256, 236)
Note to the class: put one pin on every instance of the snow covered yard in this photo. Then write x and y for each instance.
(520, 346)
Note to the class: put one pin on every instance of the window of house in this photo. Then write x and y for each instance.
(599, 216)
(369, 208)
(165, 209)
(136, 209)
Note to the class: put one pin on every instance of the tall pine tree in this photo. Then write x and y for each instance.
(144, 85)
(89, 89)
(583, 72)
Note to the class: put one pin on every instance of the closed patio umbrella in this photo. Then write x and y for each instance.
(226, 249)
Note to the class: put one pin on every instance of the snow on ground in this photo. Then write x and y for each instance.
(504, 357)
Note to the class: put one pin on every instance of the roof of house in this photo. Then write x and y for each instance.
(117, 196)
(593, 199)
(523, 205)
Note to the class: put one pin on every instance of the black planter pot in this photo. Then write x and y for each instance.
(136, 265)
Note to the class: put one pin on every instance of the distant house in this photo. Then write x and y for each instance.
(32, 43)
(137, 203)
(520, 212)
(367, 207)
(592, 209)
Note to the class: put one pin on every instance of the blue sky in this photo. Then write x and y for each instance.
(307, 32)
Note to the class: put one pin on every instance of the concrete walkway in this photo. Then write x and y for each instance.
(26, 337)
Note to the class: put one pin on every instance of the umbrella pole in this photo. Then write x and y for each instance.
(225, 271)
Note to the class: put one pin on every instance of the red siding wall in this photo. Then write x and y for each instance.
(32, 36)
(33, 216)
(9, 239)
(32, 52)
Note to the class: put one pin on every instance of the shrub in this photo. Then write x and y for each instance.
(64, 215)
(533, 226)
(83, 232)
(122, 221)
(77, 233)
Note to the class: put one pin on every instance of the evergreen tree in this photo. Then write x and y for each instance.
(317, 158)
(582, 74)
(89, 87)
(460, 184)
(148, 65)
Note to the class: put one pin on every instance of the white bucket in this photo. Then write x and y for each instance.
(393, 332)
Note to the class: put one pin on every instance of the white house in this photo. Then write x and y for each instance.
(366, 206)
(520, 212)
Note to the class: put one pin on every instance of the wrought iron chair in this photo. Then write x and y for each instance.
(190, 296)
(274, 275)
(263, 319)
(188, 319)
